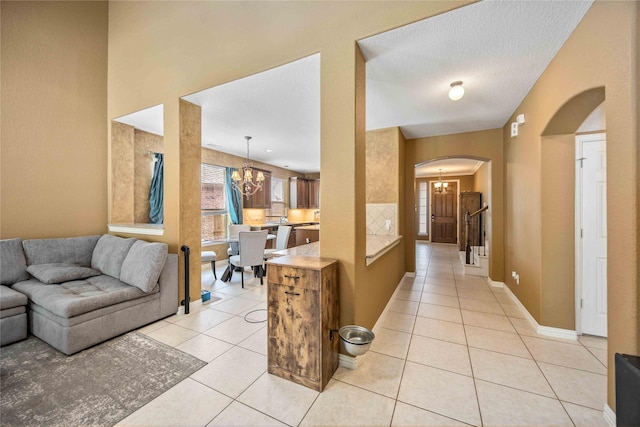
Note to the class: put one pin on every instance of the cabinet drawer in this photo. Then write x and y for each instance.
(291, 276)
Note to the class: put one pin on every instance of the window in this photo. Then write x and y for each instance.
(278, 197)
(213, 202)
(422, 208)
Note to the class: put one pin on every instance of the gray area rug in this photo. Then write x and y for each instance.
(39, 386)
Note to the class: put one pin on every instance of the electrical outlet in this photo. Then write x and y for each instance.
(514, 129)
(387, 224)
(516, 277)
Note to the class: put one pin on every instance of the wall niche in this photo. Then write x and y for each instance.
(135, 140)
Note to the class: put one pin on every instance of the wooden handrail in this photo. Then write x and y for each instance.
(479, 211)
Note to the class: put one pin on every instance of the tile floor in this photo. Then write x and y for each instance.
(450, 351)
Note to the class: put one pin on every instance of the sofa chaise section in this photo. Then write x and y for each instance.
(81, 291)
(76, 315)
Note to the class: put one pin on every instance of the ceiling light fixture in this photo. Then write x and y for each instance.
(440, 186)
(245, 184)
(457, 91)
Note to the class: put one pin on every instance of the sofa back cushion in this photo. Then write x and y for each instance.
(60, 273)
(109, 253)
(143, 264)
(13, 265)
(71, 250)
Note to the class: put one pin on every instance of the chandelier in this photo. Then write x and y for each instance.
(245, 184)
(440, 186)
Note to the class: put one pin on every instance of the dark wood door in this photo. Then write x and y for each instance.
(444, 212)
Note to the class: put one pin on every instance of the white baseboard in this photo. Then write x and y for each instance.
(609, 416)
(495, 284)
(410, 274)
(566, 334)
(542, 330)
(352, 362)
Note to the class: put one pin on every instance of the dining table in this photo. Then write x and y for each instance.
(226, 276)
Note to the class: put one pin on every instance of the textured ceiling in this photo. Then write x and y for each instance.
(497, 48)
(278, 108)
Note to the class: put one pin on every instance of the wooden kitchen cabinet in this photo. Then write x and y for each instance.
(314, 193)
(262, 198)
(298, 193)
(306, 235)
(303, 310)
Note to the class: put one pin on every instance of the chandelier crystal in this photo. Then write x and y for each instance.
(441, 186)
(245, 184)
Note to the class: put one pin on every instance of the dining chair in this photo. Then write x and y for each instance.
(282, 239)
(232, 231)
(251, 245)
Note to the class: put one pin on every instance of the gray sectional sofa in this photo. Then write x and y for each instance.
(77, 292)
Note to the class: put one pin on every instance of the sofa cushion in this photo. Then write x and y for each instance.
(10, 298)
(80, 296)
(72, 250)
(13, 265)
(109, 253)
(143, 264)
(60, 272)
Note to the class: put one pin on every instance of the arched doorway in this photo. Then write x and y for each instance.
(443, 188)
(562, 167)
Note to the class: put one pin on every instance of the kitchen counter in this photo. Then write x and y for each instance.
(378, 245)
(310, 249)
(308, 227)
(275, 224)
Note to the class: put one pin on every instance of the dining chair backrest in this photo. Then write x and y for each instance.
(282, 238)
(234, 229)
(252, 245)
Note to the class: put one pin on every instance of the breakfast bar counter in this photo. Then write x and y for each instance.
(377, 245)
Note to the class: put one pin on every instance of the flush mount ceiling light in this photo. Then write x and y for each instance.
(245, 183)
(457, 91)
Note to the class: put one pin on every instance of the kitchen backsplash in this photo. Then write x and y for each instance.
(377, 216)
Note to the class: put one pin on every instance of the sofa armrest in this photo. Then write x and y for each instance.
(168, 283)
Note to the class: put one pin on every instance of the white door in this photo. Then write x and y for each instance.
(592, 177)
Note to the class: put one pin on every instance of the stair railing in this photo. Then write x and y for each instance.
(468, 217)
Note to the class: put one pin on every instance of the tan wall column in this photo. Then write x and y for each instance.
(190, 159)
(343, 154)
(122, 173)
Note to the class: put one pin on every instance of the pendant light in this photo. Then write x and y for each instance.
(245, 184)
(441, 186)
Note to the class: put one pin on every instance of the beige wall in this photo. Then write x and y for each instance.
(484, 145)
(382, 168)
(158, 52)
(54, 127)
(557, 186)
(606, 54)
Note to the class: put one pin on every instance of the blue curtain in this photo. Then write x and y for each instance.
(156, 192)
(234, 198)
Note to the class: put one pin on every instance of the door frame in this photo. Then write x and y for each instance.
(578, 224)
(457, 181)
